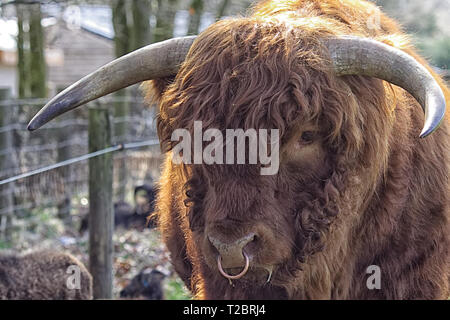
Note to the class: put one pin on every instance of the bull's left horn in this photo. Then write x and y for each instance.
(153, 61)
(361, 56)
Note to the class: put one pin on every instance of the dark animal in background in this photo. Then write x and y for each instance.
(356, 186)
(122, 213)
(43, 275)
(132, 218)
(148, 284)
(144, 199)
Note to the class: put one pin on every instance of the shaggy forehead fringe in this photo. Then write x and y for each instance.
(264, 73)
(242, 73)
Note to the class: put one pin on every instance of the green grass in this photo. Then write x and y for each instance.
(176, 290)
(5, 245)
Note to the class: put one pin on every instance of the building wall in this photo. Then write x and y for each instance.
(8, 78)
(83, 52)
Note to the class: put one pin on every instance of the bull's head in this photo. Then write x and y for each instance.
(241, 220)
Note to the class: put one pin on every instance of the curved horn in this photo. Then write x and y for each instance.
(153, 61)
(350, 56)
(362, 56)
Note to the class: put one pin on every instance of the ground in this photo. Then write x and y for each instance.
(133, 250)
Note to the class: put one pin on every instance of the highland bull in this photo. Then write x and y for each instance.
(362, 180)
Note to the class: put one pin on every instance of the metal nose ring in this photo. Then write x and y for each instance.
(238, 276)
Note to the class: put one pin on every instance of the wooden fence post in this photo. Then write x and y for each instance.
(101, 216)
(64, 152)
(6, 163)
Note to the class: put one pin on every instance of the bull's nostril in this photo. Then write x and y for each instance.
(251, 246)
(231, 253)
(237, 244)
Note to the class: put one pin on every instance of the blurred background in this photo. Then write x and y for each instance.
(47, 45)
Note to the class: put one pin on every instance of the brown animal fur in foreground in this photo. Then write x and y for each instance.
(42, 275)
(356, 186)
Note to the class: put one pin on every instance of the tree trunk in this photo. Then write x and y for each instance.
(6, 164)
(121, 31)
(37, 58)
(129, 35)
(121, 107)
(195, 13)
(222, 8)
(21, 55)
(63, 134)
(140, 29)
(165, 19)
(101, 215)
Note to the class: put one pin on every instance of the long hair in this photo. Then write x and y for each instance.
(270, 70)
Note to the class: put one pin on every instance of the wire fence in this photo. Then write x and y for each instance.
(47, 169)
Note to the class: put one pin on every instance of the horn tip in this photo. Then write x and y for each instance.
(33, 125)
(424, 135)
(426, 131)
(433, 123)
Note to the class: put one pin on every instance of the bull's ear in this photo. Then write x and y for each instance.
(154, 89)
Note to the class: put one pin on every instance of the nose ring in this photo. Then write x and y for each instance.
(238, 276)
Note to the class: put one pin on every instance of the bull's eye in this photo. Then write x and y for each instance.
(307, 137)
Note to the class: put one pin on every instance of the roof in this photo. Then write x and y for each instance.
(96, 19)
(8, 33)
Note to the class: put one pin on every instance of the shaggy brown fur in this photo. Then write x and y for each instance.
(41, 275)
(365, 191)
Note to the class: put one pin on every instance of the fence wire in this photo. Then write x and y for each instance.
(47, 168)
(64, 163)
